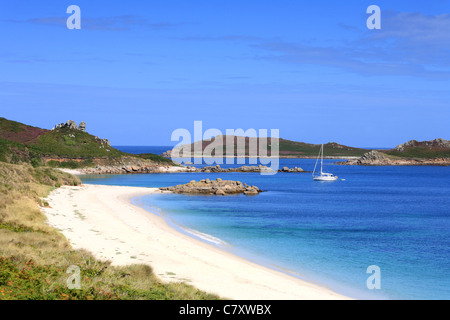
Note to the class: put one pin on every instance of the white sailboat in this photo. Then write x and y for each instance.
(323, 175)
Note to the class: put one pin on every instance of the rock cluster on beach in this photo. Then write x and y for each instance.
(124, 169)
(214, 187)
(137, 166)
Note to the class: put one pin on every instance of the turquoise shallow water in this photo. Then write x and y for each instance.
(397, 218)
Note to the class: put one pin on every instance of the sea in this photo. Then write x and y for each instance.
(378, 232)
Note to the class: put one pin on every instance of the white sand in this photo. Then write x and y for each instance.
(102, 220)
(75, 172)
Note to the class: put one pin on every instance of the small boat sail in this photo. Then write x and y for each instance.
(323, 175)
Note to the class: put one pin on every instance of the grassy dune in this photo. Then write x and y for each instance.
(34, 257)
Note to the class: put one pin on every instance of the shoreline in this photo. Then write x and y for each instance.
(279, 157)
(103, 220)
(221, 245)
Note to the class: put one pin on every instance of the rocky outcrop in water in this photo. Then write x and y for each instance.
(214, 187)
(295, 169)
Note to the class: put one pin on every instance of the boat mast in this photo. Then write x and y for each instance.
(315, 166)
(320, 156)
(321, 161)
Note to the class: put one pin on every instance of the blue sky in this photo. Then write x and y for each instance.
(137, 70)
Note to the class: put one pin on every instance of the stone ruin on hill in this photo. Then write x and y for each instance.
(71, 125)
(82, 127)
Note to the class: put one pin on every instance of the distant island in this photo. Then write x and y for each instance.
(70, 146)
(433, 152)
(287, 148)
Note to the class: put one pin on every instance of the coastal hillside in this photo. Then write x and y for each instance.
(287, 148)
(412, 153)
(332, 149)
(67, 145)
(437, 148)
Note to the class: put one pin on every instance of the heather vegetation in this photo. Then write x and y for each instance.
(73, 148)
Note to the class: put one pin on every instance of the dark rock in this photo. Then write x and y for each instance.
(295, 169)
(167, 154)
(372, 157)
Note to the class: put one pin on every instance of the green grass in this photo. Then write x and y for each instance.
(155, 158)
(5, 150)
(10, 126)
(34, 257)
(65, 142)
(330, 149)
(71, 164)
(98, 280)
(12, 152)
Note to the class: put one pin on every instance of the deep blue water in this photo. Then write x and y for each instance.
(397, 218)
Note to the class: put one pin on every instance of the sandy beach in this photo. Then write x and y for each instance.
(102, 220)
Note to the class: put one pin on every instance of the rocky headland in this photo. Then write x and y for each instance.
(436, 144)
(376, 158)
(412, 153)
(217, 187)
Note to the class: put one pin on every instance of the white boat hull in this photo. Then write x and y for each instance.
(325, 178)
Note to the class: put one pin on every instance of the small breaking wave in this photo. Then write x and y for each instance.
(205, 237)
